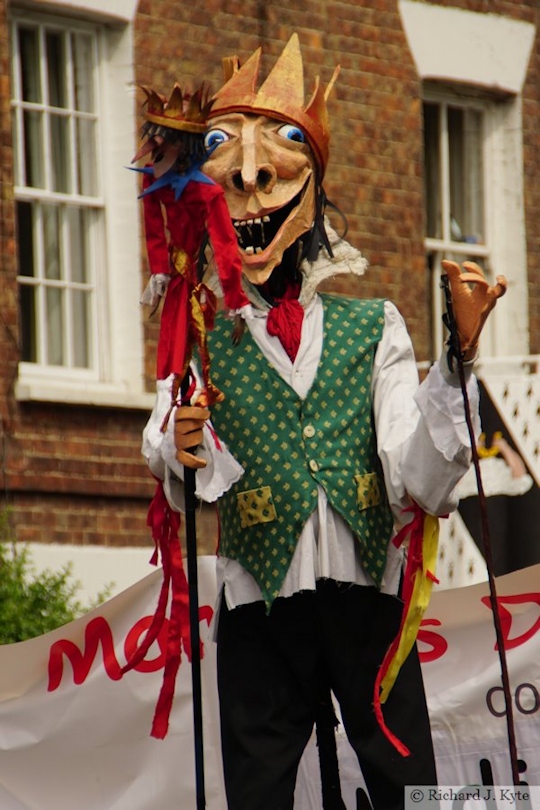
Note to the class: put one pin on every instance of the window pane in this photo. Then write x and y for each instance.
(52, 241)
(56, 69)
(432, 170)
(86, 158)
(55, 326)
(78, 225)
(466, 175)
(33, 149)
(29, 60)
(25, 238)
(80, 308)
(83, 72)
(474, 172)
(60, 153)
(456, 151)
(27, 330)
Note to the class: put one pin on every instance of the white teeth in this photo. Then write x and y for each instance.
(247, 233)
(247, 222)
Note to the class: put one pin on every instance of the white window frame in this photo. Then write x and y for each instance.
(489, 53)
(444, 247)
(44, 196)
(117, 378)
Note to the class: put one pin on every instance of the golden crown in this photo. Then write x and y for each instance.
(186, 112)
(281, 96)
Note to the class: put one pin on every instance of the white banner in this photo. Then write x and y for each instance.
(73, 734)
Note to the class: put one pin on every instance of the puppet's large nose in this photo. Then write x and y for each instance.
(256, 172)
(262, 178)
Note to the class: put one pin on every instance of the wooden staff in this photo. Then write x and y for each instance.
(190, 500)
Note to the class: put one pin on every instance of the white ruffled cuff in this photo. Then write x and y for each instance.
(221, 471)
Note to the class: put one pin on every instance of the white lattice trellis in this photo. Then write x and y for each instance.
(459, 561)
(517, 398)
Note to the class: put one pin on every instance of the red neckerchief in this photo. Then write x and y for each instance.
(285, 320)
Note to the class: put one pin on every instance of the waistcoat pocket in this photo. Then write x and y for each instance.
(256, 506)
(368, 490)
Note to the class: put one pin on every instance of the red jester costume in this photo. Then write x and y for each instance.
(332, 462)
(181, 206)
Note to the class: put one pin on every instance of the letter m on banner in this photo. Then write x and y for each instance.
(97, 632)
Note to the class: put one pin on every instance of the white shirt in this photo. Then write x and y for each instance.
(422, 441)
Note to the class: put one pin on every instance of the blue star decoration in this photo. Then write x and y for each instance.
(175, 179)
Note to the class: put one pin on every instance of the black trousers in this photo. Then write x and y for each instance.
(270, 670)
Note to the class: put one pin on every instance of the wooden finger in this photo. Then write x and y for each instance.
(473, 267)
(472, 278)
(189, 460)
(191, 439)
(191, 412)
(187, 426)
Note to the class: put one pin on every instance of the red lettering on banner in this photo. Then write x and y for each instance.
(205, 614)
(98, 632)
(438, 643)
(506, 617)
(132, 642)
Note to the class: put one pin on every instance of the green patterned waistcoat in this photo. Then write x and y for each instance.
(287, 445)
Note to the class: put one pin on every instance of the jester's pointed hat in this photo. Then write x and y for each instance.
(281, 96)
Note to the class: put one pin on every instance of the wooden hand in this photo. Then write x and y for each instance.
(473, 299)
(188, 433)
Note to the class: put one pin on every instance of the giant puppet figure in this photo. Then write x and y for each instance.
(340, 453)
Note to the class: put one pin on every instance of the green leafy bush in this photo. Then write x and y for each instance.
(33, 603)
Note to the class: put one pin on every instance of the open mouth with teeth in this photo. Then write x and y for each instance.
(257, 234)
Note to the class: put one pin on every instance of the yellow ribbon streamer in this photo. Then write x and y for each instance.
(423, 583)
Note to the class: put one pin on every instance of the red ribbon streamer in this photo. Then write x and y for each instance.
(165, 525)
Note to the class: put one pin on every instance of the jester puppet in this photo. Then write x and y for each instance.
(331, 467)
(183, 208)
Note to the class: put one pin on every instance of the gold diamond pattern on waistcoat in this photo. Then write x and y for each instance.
(287, 446)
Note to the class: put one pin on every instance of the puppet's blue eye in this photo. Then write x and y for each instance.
(214, 138)
(292, 133)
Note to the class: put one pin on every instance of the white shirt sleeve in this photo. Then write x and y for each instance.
(422, 436)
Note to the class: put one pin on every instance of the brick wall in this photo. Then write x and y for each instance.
(75, 474)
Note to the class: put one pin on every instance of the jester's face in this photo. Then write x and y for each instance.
(267, 171)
